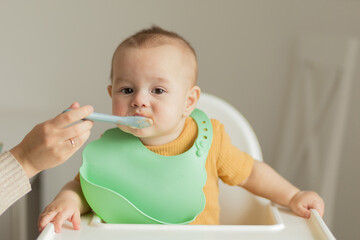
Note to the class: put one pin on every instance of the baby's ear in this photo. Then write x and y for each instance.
(192, 100)
(109, 88)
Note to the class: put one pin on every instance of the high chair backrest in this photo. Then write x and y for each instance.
(237, 205)
(241, 133)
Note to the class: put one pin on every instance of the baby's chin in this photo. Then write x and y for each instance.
(137, 132)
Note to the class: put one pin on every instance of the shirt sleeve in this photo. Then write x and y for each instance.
(77, 177)
(233, 165)
(13, 181)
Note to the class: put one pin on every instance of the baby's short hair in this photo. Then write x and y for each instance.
(156, 36)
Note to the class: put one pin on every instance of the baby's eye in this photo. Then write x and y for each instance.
(158, 91)
(127, 90)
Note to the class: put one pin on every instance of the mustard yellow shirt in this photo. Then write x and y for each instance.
(224, 161)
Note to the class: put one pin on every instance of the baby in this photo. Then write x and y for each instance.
(154, 74)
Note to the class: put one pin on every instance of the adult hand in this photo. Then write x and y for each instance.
(51, 143)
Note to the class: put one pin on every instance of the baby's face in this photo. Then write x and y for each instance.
(152, 82)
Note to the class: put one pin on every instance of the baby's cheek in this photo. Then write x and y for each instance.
(162, 121)
(118, 108)
(118, 111)
(168, 114)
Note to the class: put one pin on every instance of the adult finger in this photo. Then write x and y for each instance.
(75, 130)
(67, 149)
(75, 143)
(67, 118)
(83, 137)
(74, 105)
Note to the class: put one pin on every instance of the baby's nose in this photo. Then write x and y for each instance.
(140, 100)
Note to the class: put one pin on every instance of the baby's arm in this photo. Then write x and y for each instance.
(67, 205)
(266, 182)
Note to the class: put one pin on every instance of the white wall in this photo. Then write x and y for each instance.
(54, 53)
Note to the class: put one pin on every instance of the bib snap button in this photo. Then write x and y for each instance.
(200, 152)
(202, 144)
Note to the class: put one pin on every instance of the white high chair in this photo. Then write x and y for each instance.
(237, 205)
(243, 215)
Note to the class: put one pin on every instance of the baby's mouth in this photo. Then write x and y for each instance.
(149, 120)
(140, 115)
(146, 115)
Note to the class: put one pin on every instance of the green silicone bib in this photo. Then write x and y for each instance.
(124, 182)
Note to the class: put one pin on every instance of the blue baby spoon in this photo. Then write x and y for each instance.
(131, 121)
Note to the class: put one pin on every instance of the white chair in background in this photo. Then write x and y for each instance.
(237, 205)
(312, 134)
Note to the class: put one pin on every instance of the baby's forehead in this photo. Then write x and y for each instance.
(187, 53)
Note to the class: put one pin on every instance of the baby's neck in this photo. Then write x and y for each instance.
(161, 140)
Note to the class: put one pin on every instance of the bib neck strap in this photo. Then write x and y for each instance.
(205, 132)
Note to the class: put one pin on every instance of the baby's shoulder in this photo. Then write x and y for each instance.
(216, 123)
(218, 127)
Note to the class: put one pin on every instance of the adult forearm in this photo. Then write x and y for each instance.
(13, 181)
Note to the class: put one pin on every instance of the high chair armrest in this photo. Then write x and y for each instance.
(320, 225)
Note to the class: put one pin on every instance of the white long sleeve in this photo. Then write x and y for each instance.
(13, 181)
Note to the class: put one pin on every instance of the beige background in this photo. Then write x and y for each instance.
(55, 52)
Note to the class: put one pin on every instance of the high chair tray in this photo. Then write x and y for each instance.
(283, 225)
